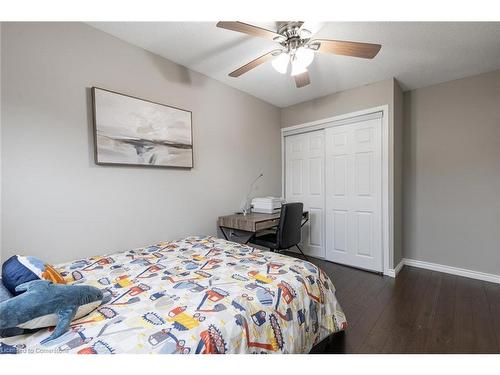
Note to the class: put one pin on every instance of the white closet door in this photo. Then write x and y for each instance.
(354, 194)
(304, 176)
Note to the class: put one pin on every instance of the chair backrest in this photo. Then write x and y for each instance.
(289, 227)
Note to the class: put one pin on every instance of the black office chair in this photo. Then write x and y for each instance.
(288, 233)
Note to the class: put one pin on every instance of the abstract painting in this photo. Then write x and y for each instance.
(133, 131)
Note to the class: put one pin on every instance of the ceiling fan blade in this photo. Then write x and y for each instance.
(254, 63)
(246, 28)
(340, 47)
(302, 79)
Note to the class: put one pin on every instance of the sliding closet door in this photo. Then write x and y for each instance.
(354, 194)
(304, 182)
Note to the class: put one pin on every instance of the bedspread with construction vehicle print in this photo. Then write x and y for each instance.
(197, 295)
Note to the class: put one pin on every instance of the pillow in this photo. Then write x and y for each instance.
(19, 269)
(45, 304)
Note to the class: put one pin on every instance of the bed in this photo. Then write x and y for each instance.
(197, 295)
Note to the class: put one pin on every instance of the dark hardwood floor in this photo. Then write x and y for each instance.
(420, 311)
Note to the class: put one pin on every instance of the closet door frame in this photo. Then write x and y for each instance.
(387, 169)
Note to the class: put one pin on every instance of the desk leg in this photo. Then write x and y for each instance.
(223, 233)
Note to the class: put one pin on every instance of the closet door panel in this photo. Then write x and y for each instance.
(305, 182)
(353, 199)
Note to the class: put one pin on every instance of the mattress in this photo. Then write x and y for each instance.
(197, 295)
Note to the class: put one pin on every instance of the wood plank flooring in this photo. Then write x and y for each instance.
(420, 311)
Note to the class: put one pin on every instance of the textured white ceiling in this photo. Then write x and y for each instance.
(417, 54)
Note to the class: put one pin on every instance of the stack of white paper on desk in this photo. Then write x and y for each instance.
(266, 205)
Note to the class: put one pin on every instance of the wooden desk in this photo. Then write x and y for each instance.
(252, 222)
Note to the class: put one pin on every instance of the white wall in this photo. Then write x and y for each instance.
(59, 205)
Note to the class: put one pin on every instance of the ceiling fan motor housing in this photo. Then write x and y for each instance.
(292, 36)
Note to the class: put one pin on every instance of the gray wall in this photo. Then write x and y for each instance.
(368, 96)
(398, 172)
(452, 173)
(356, 99)
(58, 205)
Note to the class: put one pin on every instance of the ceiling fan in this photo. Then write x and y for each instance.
(296, 48)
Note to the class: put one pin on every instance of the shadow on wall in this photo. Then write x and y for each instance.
(90, 127)
(175, 73)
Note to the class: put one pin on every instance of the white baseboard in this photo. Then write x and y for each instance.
(393, 272)
(453, 270)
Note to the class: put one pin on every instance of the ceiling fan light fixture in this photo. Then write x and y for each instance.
(280, 63)
(298, 68)
(304, 33)
(305, 56)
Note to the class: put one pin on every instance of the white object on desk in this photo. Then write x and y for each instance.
(266, 205)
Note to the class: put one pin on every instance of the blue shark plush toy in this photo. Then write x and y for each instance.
(45, 304)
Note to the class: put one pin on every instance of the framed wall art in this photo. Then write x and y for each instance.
(133, 131)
